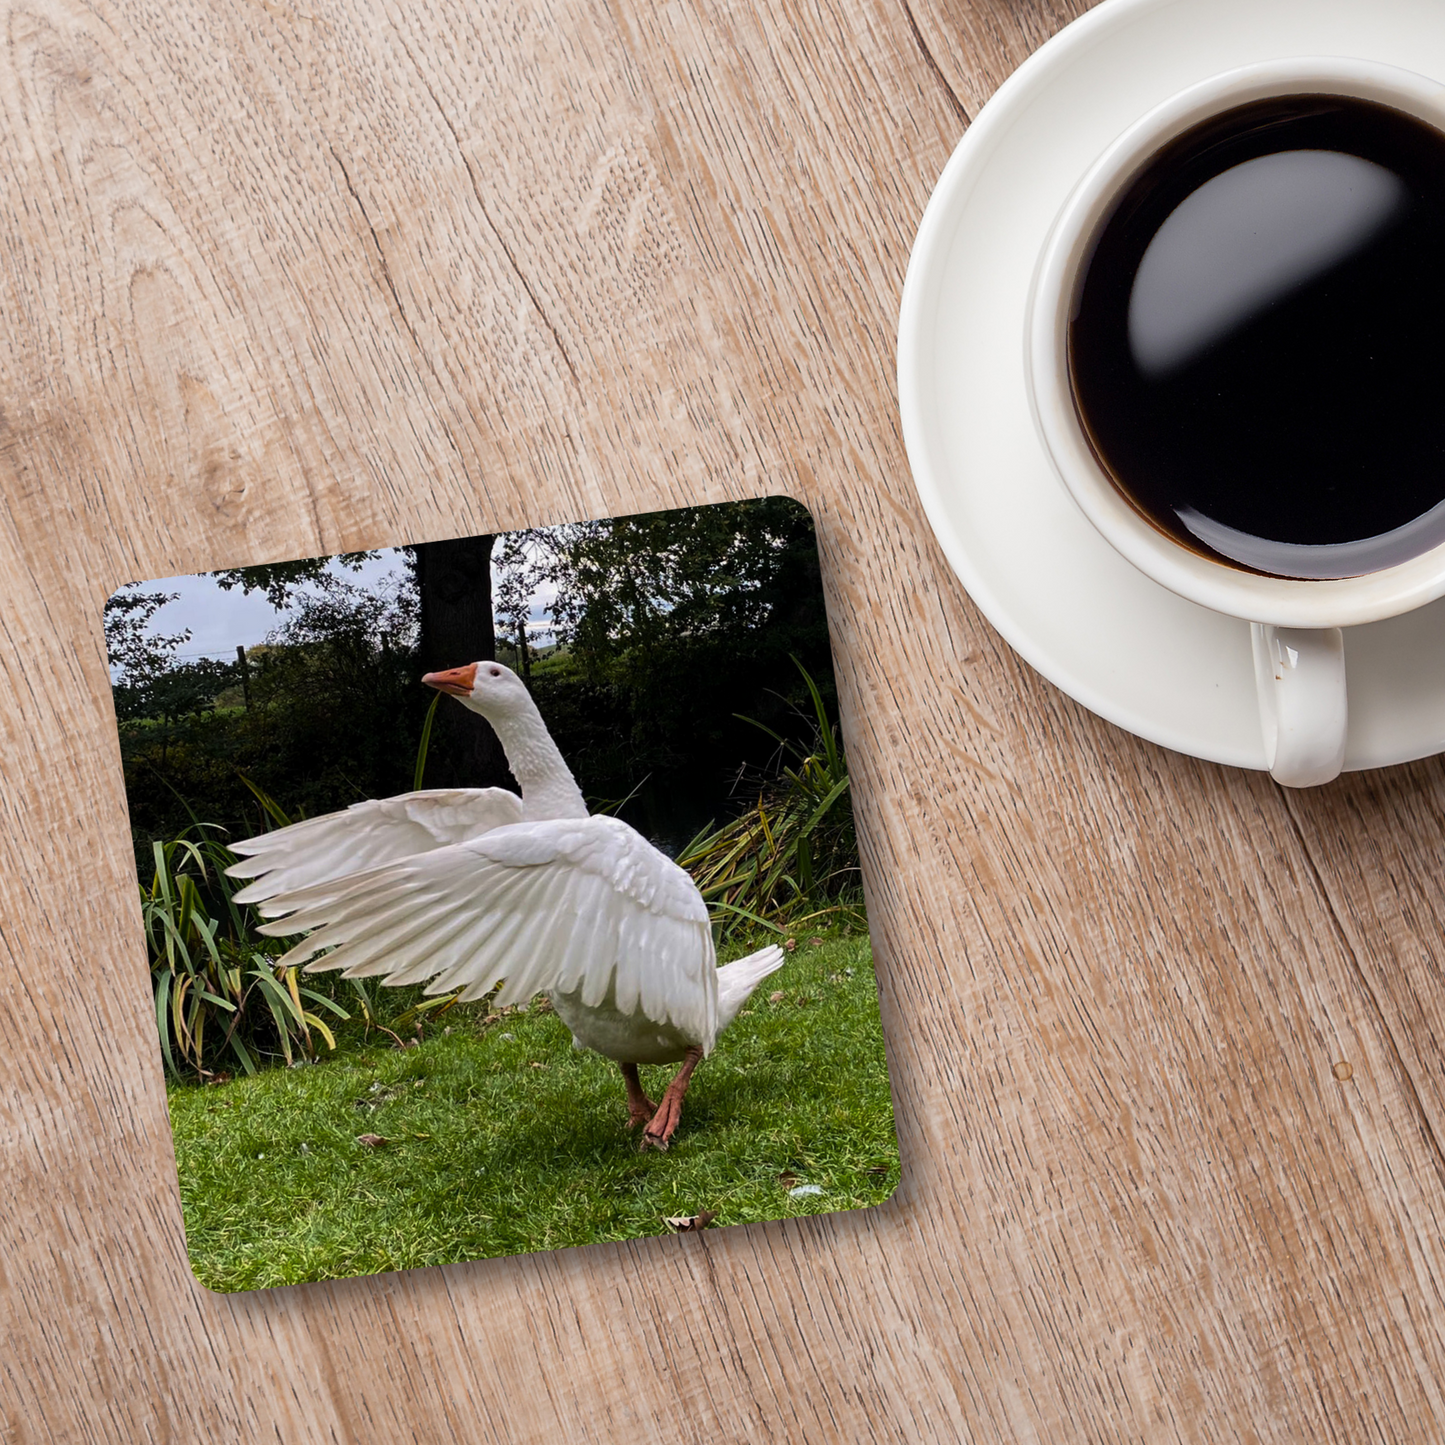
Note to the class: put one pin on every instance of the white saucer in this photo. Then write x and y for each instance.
(1123, 646)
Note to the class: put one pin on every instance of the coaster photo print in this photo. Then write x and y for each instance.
(501, 894)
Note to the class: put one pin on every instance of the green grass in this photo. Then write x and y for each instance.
(502, 1139)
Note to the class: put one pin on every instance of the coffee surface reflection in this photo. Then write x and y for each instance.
(1258, 349)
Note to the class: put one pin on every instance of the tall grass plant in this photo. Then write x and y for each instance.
(222, 999)
(792, 858)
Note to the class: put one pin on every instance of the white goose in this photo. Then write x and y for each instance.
(468, 887)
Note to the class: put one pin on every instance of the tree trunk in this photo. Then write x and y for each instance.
(454, 584)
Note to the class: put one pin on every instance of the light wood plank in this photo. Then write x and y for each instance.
(284, 278)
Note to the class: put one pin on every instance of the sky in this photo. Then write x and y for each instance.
(222, 621)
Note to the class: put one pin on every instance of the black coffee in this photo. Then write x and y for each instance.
(1258, 355)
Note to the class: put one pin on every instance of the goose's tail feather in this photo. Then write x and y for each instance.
(736, 981)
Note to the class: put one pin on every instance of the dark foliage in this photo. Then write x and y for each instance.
(335, 716)
(139, 654)
(670, 624)
(184, 689)
(282, 581)
(678, 621)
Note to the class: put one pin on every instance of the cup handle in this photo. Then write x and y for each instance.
(1299, 675)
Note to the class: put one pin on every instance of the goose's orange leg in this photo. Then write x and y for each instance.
(640, 1108)
(659, 1132)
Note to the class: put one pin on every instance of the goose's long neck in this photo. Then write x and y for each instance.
(548, 787)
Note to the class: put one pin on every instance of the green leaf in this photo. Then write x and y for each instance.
(242, 1054)
(438, 1005)
(324, 1002)
(837, 791)
(163, 998)
(272, 807)
(748, 914)
(425, 743)
(320, 1027)
(763, 727)
(277, 997)
(830, 742)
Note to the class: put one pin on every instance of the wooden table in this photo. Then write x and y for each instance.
(282, 277)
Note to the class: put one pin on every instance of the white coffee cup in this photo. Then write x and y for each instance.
(1298, 647)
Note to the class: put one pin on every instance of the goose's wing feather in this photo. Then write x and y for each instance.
(334, 847)
(573, 905)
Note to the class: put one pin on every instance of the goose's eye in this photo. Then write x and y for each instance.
(495, 671)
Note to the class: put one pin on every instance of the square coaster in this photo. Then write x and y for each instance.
(501, 894)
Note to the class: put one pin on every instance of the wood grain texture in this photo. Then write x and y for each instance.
(283, 278)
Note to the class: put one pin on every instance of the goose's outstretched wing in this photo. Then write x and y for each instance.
(333, 847)
(569, 904)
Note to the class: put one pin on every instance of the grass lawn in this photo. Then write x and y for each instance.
(500, 1138)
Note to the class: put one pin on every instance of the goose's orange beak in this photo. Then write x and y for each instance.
(456, 680)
